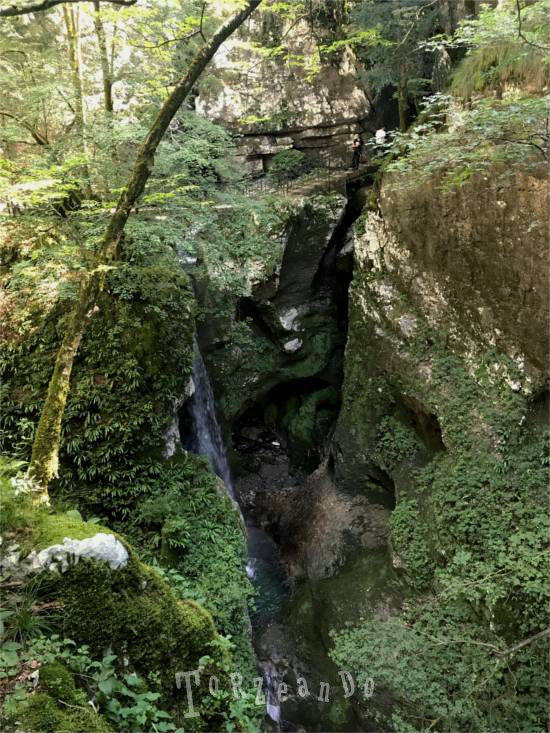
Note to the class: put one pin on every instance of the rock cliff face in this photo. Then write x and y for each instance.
(308, 105)
(476, 258)
(446, 339)
(443, 361)
(285, 337)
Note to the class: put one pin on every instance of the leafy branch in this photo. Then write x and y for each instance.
(521, 33)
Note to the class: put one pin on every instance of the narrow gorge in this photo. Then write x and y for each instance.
(280, 432)
(274, 386)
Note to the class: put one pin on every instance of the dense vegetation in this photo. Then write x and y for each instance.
(92, 283)
(61, 175)
(470, 648)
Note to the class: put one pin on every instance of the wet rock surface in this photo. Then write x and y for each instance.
(312, 561)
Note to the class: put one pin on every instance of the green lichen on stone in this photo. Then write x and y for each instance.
(134, 610)
(307, 420)
(52, 528)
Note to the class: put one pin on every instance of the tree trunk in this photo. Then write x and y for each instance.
(72, 24)
(105, 66)
(402, 101)
(45, 449)
(13, 10)
(45, 452)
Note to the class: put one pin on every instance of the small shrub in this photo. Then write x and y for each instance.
(286, 165)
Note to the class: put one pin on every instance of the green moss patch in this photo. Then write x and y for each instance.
(40, 713)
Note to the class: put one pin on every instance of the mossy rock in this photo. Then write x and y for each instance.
(58, 682)
(35, 527)
(133, 610)
(40, 713)
(307, 421)
(52, 529)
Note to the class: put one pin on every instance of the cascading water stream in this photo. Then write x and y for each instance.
(207, 440)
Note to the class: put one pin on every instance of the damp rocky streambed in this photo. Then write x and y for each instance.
(307, 587)
(318, 555)
(295, 613)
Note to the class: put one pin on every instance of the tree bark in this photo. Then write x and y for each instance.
(72, 25)
(104, 57)
(522, 644)
(45, 453)
(33, 132)
(45, 449)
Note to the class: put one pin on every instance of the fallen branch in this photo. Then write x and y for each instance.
(522, 644)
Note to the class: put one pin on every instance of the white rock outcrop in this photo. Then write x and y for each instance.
(323, 104)
(293, 345)
(102, 547)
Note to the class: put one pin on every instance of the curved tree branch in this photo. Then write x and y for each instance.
(522, 644)
(521, 34)
(13, 10)
(45, 450)
(36, 136)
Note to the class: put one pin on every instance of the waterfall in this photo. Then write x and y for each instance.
(262, 567)
(273, 706)
(207, 438)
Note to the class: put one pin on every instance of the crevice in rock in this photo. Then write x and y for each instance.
(425, 424)
(302, 526)
(538, 415)
(381, 488)
(300, 414)
(335, 270)
(247, 308)
(283, 434)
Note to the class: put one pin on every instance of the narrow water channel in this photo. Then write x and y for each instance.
(289, 615)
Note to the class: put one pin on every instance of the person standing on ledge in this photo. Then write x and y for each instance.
(357, 147)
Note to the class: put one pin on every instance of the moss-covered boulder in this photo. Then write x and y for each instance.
(125, 607)
(41, 713)
(106, 599)
(58, 706)
(58, 682)
(134, 611)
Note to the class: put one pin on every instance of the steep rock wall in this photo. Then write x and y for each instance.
(480, 254)
(285, 327)
(447, 348)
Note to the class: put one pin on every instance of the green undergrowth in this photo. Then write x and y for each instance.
(134, 362)
(493, 117)
(190, 529)
(147, 618)
(135, 359)
(456, 433)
